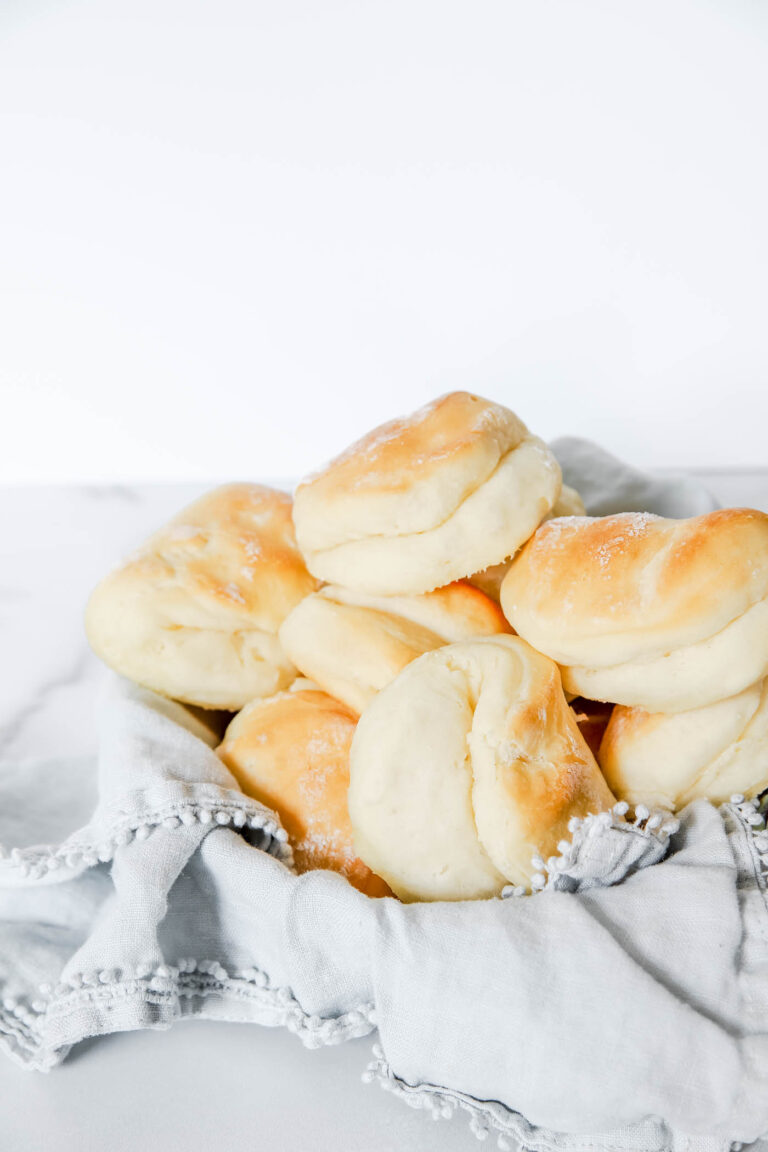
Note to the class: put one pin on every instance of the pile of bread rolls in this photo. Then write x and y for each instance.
(436, 660)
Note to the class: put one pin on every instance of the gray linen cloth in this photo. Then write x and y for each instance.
(623, 1004)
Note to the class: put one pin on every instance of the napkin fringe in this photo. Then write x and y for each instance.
(753, 817)
(492, 1118)
(511, 1130)
(486, 1118)
(655, 827)
(87, 848)
(25, 1022)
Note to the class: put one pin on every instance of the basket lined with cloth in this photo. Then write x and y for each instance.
(637, 975)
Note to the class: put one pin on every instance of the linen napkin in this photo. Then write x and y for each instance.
(622, 1004)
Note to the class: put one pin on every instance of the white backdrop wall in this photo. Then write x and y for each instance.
(237, 233)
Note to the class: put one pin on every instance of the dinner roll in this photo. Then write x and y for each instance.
(427, 499)
(568, 503)
(711, 752)
(666, 615)
(291, 752)
(464, 767)
(352, 645)
(194, 613)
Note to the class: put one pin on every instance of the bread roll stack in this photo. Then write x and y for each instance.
(221, 607)
(395, 525)
(391, 585)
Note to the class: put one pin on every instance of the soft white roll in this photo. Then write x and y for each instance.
(712, 752)
(353, 645)
(464, 767)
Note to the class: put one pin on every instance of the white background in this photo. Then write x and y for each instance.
(237, 233)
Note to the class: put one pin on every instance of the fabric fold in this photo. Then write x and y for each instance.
(642, 942)
(612, 989)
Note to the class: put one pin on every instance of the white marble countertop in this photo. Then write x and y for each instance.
(199, 1086)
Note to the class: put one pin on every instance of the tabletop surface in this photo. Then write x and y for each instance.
(201, 1085)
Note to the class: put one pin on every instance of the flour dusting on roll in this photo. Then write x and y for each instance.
(291, 752)
(427, 499)
(194, 613)
(666, 615)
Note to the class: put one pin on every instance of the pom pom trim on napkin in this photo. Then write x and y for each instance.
(604, 849)
(163, 986)
(566, 873)
(634, 844)
(176, 805)
(490, 1118)
(170, 989)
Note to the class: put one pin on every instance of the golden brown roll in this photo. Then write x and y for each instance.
(194, 614)
(464, 767)
(711, 752)
(427, 499)
(291, 752)
(568, 503)
(667, 615)
(353, 645)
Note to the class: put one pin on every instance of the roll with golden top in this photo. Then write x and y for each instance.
(426, 499)
(464, 767)
(291, 752)
(353, 645)
(665, 615)
(194, 613)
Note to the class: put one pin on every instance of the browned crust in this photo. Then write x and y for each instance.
(431, 438)
(291, 752)
(637, 574)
